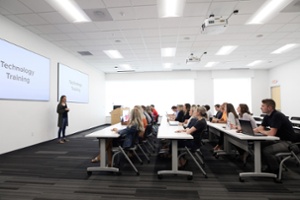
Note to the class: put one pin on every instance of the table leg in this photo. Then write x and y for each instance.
(257, 165)
(102, 167)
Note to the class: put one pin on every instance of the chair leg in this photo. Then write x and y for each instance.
(281, 166)
(145, 154)
(199, 157)
(296, 157)
(128, 159)
(201, 169)
(138, 157)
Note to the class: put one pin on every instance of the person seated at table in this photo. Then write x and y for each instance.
(244, 114)
(174, 113)
(127, 135)
(232, 122)
(148, 117)
(219, 113)
(222, 120)
(180, 114)
(196, 130)
(192, 120)
(209, 114)
(154, 113)
(281, 127)
(186, 110)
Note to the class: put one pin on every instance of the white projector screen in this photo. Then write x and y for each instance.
(24, 75)
(72, 83)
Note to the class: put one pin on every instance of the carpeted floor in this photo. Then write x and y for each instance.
(52, 171)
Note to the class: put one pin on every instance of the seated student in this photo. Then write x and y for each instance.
(223, 119)
(186, 110)
(219, 112)
(244, 113)
(148, 117)
(180, 114)
(196, 131)
(192, 120)
(127, 135)
(209, 114)
(281, 127)
(148, 110)
(154, 113)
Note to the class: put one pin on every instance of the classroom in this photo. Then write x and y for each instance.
(195, 74)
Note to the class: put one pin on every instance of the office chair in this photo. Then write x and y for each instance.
(143, 142)
(294, 151)
(119, 149)
(194, 153)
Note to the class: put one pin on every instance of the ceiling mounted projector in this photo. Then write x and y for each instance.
(194, 59)
(215, 25)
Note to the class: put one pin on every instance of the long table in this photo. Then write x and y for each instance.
(241, 140)
(166, 131)
(102, 135)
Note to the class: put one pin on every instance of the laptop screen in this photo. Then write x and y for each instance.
(246, 127)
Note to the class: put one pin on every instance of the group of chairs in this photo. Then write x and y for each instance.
(145, 145)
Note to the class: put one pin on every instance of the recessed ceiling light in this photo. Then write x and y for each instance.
(168, 65)
(210, 64)
(225, 50)
(170, 8)
(113, 54)
(268, 10)
(168, 52)
(256, 62)
(70, 10)
(285, 48)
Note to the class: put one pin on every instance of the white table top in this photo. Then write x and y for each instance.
(165, 131)
(107, 132)
(241, 136)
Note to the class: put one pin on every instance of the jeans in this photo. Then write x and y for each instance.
(62, 129)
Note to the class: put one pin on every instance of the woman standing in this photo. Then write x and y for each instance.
(62, 110)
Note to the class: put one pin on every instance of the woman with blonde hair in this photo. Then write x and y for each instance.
(127, 135)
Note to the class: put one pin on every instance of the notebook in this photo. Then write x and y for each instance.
(247, 128)
(173, 123)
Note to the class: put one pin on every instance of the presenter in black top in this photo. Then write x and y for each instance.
(280, 126)
(62, 110)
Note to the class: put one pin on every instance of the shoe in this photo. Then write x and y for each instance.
(66, 140)
(61, 142)
(182, 164)
(244, 157)
(217, 148)
(95, 160)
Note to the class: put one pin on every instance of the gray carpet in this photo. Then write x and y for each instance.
(52, 171)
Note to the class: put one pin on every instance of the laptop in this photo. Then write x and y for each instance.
(247, 128)
(173, 123)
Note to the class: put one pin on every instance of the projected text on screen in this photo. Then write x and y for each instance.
(73, 84)
(24, 75)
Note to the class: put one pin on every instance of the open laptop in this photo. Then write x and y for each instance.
(247, 128)
(173, 123)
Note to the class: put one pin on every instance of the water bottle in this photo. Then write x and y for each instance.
(228, 125)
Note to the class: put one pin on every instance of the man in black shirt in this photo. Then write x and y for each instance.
(280, 126)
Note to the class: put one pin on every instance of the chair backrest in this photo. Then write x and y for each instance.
(148, 130)
(257, 119)
(295, 118)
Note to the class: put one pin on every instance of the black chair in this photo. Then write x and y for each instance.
(119, 149)
(195, 153)
(295, 118)
(145, 142)
(294, 151)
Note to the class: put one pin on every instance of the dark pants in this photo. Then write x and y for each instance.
(62, 129)
(270, 149)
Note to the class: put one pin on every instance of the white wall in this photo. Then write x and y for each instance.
(204, 83)
(25, 123)
(287, 77)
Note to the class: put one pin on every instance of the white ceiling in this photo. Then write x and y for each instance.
(137, 32)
